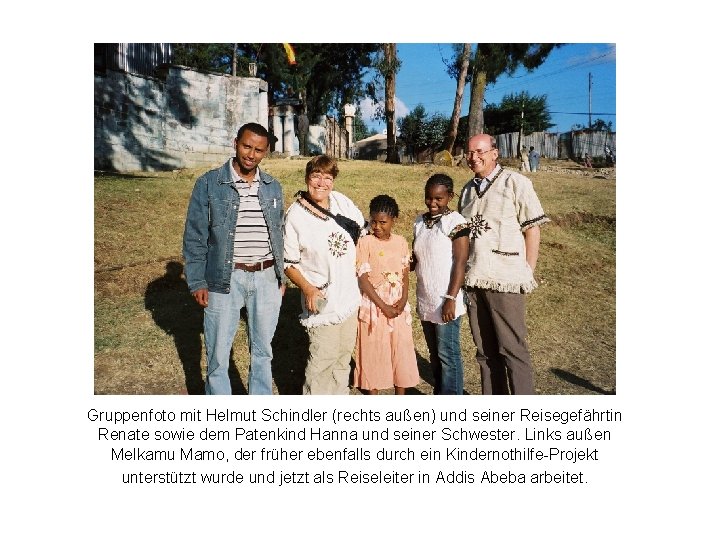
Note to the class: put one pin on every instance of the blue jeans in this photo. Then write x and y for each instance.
(260, 294)
(443, 342)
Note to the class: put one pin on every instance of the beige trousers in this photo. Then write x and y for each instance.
(331, 349)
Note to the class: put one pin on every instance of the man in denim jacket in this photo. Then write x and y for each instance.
(233, 250)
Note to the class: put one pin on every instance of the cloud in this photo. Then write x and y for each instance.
(596, 55)
(401, 109)
(367, 109)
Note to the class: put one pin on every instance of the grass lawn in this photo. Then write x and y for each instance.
(148, 329)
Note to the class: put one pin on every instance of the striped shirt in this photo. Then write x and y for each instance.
(252, 241)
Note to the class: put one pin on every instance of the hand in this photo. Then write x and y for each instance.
(311, 297)
(389, 311)
(400, 305)
(201, 297)
(448, 310)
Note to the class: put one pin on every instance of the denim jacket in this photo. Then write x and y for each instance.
(209, 237)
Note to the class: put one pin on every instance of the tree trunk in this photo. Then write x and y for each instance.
(449, 141)
(390, 50)
(234, 60)
(476, 123)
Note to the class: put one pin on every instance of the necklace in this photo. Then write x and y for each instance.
(431, 220)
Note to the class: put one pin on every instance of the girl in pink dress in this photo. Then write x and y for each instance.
(385, 353)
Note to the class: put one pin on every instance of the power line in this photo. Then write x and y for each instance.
(583, 113)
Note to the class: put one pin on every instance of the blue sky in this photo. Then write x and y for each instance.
(563, 77)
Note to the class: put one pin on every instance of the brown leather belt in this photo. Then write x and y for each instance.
(262, 265)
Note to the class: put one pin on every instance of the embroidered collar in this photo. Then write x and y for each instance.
(478, 181)
(298, 198)
(431, 220)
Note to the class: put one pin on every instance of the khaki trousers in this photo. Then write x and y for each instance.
(497, 323)
(331, 349)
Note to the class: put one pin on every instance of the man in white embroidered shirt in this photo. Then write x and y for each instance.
(504, 215)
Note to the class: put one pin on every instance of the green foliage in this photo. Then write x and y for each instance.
(601, 125)
(508, 115)
(419, 132)
(435, 130)
(410, 128)
(492, 60)
(360, 127)
(598, 125)
(500, 58)
(496, 59)
(213, 57)
(326, 75)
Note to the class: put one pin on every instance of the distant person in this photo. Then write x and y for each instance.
(609, 156)
(233, 250)
(504, 248)
(303, 128)
(440, 252)
(524, 160)
(534, 158)
(588, 161)
(385, 351)
(320, 260)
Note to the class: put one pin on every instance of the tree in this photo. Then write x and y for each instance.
(389, 66)
(518, 112)
(435, 130)
(360, 127)
(600, 125)
(213, 57)
(411, 129)
(325, 75)
(420, 133)
(464, 58)
(493, 60)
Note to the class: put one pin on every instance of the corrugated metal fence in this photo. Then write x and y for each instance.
(136, 58)
(570, 145)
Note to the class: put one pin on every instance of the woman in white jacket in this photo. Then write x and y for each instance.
(320, 260)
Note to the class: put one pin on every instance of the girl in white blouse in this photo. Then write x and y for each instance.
(440, 252)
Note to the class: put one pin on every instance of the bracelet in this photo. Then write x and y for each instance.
(449, 297)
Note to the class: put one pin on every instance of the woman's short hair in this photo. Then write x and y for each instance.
(322, 164)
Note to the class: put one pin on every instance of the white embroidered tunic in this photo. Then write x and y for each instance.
(434, 259)
(324, 254)
(498, 217)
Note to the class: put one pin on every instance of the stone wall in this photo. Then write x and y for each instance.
(182, 119)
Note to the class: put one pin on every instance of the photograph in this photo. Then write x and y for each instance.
(355, 219)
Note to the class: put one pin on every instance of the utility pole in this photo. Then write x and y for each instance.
(589, 100)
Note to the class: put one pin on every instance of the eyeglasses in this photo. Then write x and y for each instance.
(479, 153)
(318, 177)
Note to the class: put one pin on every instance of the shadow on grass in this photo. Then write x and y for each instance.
(579, 381)
(175, 311)
(290, 346)
(425, 370)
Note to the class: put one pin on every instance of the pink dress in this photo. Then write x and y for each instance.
(385, 352)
